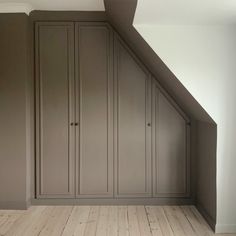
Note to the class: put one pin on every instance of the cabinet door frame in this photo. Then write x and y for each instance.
(156, 88)
(148, 180)
(71, 155)
(110, 98)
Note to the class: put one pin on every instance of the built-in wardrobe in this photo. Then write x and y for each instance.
(104, 126)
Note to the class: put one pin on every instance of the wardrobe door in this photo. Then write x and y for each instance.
(171, 157)
(94, 102)
(133, 131)
(54, 114)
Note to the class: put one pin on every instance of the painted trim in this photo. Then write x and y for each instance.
(80, 16)
(16, 7)
(119, 44)
(225, 228)
(114, 201)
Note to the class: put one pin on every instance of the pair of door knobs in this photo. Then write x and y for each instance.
(76, 123)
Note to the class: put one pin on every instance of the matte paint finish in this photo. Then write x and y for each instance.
(121, 17)
(55, 157)
(86, 101)
(72, 16)
(13, 43)
(14, 112)
(94, 105)
(206, 171)
(133, 162)
(171, 153)
(92, 126)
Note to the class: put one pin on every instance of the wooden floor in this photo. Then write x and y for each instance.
(104, 220)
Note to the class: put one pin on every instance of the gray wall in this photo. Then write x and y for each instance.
(16, 120)
(14, 111)
(206, 170)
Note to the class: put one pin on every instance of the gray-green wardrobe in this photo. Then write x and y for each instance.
(104, 127)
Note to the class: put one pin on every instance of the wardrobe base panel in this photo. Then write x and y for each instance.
(116, 201)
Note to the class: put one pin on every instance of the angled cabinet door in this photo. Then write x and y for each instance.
(171, 147)
(54, 112)
(132, 125)
(94, 110)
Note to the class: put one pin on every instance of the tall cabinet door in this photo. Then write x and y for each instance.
(132, 122)
(54, 95)
(94, 104)
(171, 148)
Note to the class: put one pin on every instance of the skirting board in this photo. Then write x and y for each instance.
(225, 229)
(116, 201)
(14, 205)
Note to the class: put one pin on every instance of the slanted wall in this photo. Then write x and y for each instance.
(203, 131)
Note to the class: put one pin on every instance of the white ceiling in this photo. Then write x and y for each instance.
(29, 5)
(148, 11)
(185, 12)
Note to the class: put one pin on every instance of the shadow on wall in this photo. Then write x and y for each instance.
(206, 170)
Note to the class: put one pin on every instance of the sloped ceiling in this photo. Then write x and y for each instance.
(186, 12)
(121, 14)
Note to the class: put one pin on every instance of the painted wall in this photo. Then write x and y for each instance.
(203, 59)
(205, 170)
(14, 111)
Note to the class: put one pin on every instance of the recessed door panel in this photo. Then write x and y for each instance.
(133, 162)
(171, 154)
(54, 80)
(94, 137)
(94, 110)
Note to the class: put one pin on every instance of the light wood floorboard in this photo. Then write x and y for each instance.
(105, 221)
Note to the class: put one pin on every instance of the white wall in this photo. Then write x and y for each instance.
(203, 58)
(27, 6)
